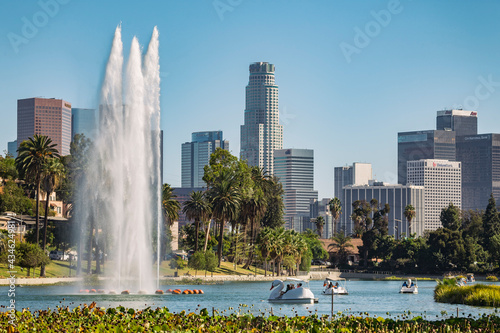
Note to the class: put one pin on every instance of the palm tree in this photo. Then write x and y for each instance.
(264, 242)
(299, 248)
(170, 207)
(320, 223)
(169, 204)
(52, 173)
(255, 206)
(33, 154)
(197, 208)
(410, 214)
(336, 210)
(276, 242)
(342, 245)
(226, 200)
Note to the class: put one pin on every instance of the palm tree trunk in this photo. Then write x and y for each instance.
(97, 259)
(221, 238)
(265, 267)
(250, 254)
(89, 246)
(206, 236)
(197, 228)
(37, 211)
(45, 224)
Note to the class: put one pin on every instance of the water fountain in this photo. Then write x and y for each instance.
(120, 199)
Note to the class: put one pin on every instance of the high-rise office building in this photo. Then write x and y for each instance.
(461, 121)
(45, 116)
(397, 196)
(417, 145)
(480, 157)
(261, 133)
(83, 121)
(322, 208)
(196, 154)
(295, 170)
(442, 181)
(355, 174)
(12, 148)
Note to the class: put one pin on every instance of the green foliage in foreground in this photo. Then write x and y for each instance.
(478, 295)
(120, 319)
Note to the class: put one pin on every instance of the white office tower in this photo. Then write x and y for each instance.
(261, 133)
(442, 182)
(295, 170)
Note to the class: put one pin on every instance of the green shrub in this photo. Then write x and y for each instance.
(491, 278)
(477, 295)
(92, 318)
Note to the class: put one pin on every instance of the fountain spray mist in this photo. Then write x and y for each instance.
(120, 200)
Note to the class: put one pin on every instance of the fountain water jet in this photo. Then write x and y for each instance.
(120, 199)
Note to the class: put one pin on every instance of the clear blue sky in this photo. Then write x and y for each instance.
(340, 94)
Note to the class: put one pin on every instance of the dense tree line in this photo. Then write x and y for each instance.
(467, 240)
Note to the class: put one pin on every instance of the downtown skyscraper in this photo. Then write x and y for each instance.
(45, 116)
(261, 133)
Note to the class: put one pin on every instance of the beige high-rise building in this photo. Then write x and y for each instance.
(261, 133)
(45, 116)
(442, 182)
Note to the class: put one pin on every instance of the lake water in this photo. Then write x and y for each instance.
(377, 298)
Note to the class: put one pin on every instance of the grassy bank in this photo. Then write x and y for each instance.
(61, 269)
(478, 294)
(95, 319)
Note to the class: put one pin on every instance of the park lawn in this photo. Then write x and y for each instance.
(56, 268)
(59, 268)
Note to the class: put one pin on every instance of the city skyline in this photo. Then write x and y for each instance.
(351, 75)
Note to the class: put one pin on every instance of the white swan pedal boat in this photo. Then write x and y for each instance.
(333, 286)
(409, 287)
(300, 294)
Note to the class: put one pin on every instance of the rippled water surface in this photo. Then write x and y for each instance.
(377, 298)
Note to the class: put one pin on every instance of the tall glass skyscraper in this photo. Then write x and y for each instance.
(196, 154)
(461, 121)
(83, 121)
(480, 157)
(261, 133)
(419, 145)
(295, 170)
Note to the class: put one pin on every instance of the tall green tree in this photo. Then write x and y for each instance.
(410, 214)
(319, 222)
(491, 225)
(335, 210)
(52, 173)
(226, 199)
(341, 244)
(33, 154)
(450, 217)
(8, 167)
(30, 256)
(13, 199)
(273, 216)
(170, 207)
(197, 208)
(264, 244)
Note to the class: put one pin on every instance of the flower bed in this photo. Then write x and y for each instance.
(95, 319)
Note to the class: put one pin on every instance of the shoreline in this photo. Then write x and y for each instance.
(37, 281)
